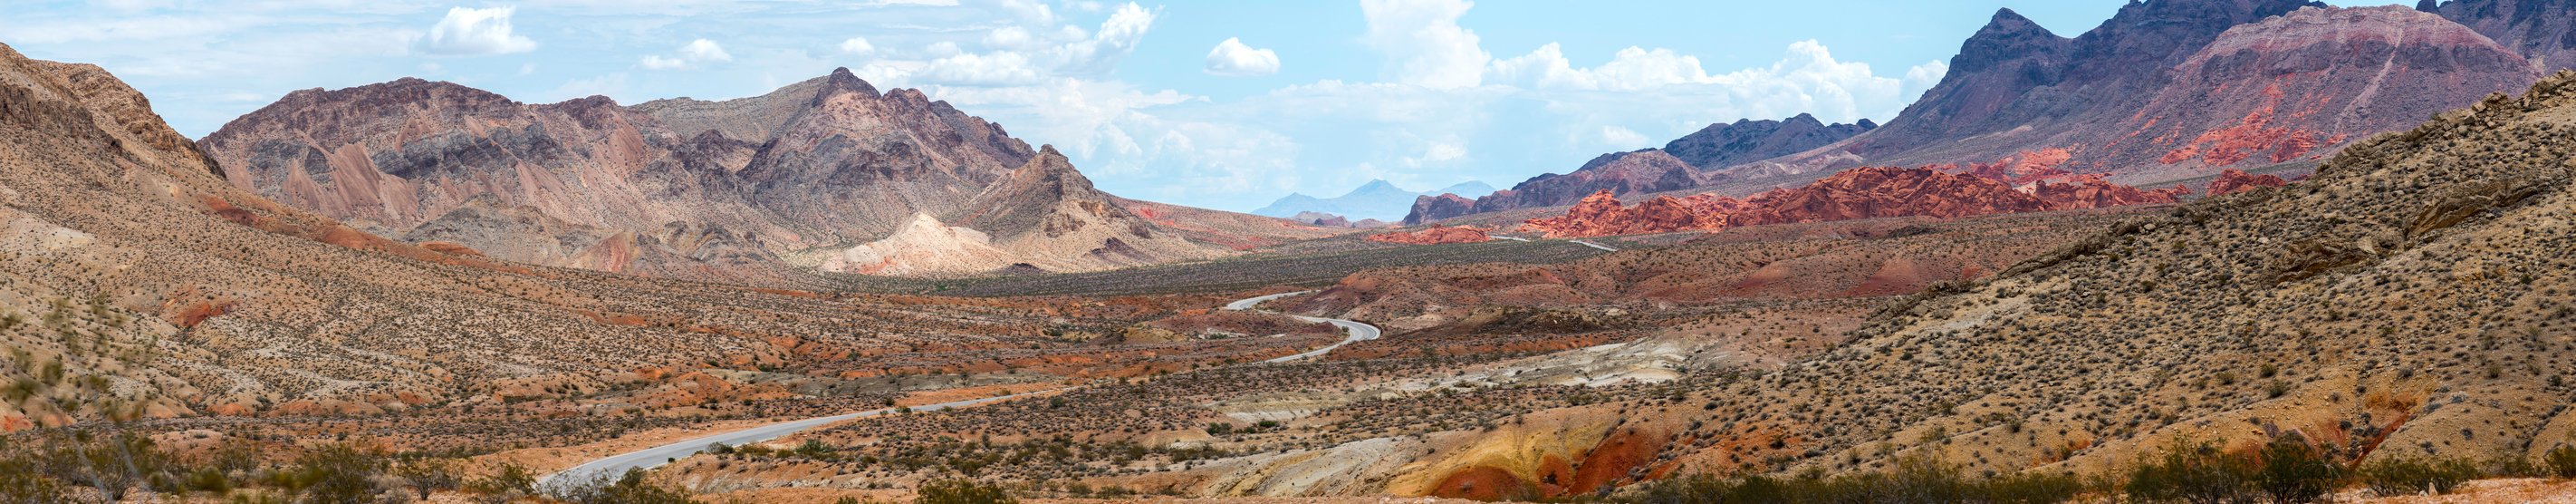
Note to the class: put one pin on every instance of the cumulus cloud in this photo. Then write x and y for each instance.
(1622, 136)
(993, 69)
(1926, 75)
(1104, 49)
(1424, 44)
(858, 46)
(697, 53)
(1437, 153)
(471, 32)
(1806, 79)
(1233, 59)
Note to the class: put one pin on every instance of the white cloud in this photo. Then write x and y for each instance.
(696, 54)
(1008, 37)
(942, 49)
(1622, 137)
(1926, 75)
(704, 50)
(858, 46)
(1438, 153)
(1233, 59)
(990, 69)
(1423, 42)
(1103, 50)
(606, 85)
(472, 32)
(1806, 79)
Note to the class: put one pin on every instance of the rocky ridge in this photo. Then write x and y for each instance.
(1860, 193)
(759, 182)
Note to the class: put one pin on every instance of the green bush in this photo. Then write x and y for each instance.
(335, 474)
(2196, 473)
(2389, 477)
(1912, 480)
(2560, 462)
(2292, 471)
(508, 479)
(632, 487)
(963, 492)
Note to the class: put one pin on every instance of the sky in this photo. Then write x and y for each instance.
(1224, 104)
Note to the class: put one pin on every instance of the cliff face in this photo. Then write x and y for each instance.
(2174, 89)
(1684, 163)
(2542, 30)
(125, 239)
(826, 162)
(1860, 193)
(1744, 141)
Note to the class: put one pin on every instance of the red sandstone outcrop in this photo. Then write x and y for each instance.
(2167, 88)
(2235, 181)
(1433, 235)
(1860, 193)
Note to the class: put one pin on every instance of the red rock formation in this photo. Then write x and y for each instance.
(2023, 167)
(1427, 209)
(1643, 171)
(1433, 235)
(1860, 193)
(2165, 88)
(2235, 181)
(1601, 215)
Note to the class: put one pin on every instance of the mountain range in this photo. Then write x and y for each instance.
(1378, 199)
(770, 189)
(2210, 250)
(2164, 91)
(1681, 164)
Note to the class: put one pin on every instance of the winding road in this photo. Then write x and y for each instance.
(1357, 331)
(656, 456)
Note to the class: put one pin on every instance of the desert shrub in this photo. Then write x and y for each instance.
(2291, 470)
(2196, 473)
(632, 487)
(1911, 480)
(2389, 477)
(963, 492)
(112, 464)
(334, 474)
(508, 479)
(2560, 462)
(21, 484)
(426, 475)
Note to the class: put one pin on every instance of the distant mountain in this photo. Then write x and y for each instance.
(2538, 29)
(1679, 165)
(2178, 89)
(1377, 200)
(1745, 141)
(735, 191)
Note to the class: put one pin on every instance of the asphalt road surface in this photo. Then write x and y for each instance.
(656, 456)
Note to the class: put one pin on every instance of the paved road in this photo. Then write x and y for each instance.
(1604, 248)
(1357, 331)
(656, 456)
(1512, 238)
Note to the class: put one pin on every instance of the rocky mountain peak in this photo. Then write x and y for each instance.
(841, 80)
(2007, 37)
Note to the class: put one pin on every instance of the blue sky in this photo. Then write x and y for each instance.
(1220, 104)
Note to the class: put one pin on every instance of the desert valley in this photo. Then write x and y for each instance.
(2207, 251)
